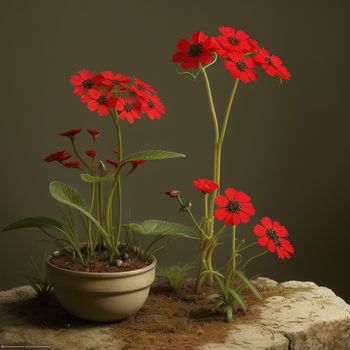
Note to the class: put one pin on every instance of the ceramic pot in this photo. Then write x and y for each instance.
(102, 297)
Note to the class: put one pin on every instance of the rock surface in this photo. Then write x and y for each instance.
(311, 317)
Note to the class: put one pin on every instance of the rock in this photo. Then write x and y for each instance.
(305, 317)
(308, 318)
(119, 262)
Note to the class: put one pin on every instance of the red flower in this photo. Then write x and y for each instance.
(271, 64)
(73, 164)
(137, 162)
(272, 235)
(110, 79)
(112, 162)
(59, 156)
(233, 41)
(241, 67)
(91, 153)
(128, 109)
(205, 185)
(94, 133)
(152, 107)
(70, 133)
(140, 83)
(98, 101)
(235, 207)
(172, 193)
(198, 51)
(83, 81)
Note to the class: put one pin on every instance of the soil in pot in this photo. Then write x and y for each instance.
(129, 260)
(167, 321)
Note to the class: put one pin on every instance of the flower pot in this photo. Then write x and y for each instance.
(102, 297)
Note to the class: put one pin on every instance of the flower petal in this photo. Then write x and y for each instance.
(266, 222)
(230, 193)
(221, 213)
(221, 201)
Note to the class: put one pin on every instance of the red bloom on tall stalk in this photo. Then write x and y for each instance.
(235, 207)
(240, 67)
(272, 235)
(115, 80)
(205, 185)
(59, 156)
(232, 40)
(72, 164)
(128, 109)
(99, 101)
(70, 133)
(91, 153)
(94, 133)
(271, 64)
(83, 81)
(112, 162)
(152, 107)
(197, 51)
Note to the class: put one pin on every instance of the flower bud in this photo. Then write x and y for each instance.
(172, 193)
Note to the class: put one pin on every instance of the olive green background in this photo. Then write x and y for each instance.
(286, 146)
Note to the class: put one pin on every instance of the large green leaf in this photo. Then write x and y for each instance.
(35, 221)
(163, 228)
(151, 155)
(96, 179)
(68, 195)
(249, 284)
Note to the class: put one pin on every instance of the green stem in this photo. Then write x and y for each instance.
(246, 247)
(78, 155)
(116, 185)
(211, 103)
(252, 258)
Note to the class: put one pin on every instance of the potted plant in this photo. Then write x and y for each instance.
(106, 276)
(228, 207)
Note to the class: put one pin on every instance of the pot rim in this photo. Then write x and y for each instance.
(103, 274)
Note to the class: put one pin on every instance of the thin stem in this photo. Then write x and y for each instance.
(78, 155)
(246, 247)
(227, 113)
(234, 253)
(253, 258)
(206, 205)
(211, 103)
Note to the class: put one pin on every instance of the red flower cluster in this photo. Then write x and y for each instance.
(241, 54)
(272, 235)
(107, 91)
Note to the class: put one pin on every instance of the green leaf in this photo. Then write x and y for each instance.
(96, 179)
(163, 228)
(249, 284)
(152, 155)
(67, 195)
(229, 313)
(212, 297)
(237, 298)
(35, 221)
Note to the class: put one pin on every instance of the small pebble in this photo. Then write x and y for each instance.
(56, 253)
(126, 256)
(119, 262)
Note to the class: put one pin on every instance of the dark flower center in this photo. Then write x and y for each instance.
(241, 66)
(272, 234)
(128, 107)
(195, 50)
(268, 61)
(233, 206)
(102, 100)
(115, 82)
(150, 104)
(233, 41)
(88, 84)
